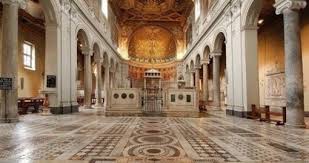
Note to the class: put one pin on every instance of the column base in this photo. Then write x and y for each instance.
(9, 120)
(240, 114)
(75, 108)
(46, 112)
(87, 107)
(213, 108)
(98, 105)
(101, 112)
(295, 126)
(64, 110)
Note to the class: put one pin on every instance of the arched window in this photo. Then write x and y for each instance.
(104, 7)
(197, 9)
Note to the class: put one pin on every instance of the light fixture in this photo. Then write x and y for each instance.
(261, 21)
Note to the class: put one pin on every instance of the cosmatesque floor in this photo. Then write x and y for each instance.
(88, 138)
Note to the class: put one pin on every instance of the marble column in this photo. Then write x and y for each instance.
(197, 84)
(9, 65)
(192, 78)
(293, 60)
(87, 77)
(216, 80)
(99, 83)
(188, 79)
(205, 81)
(106, 86)
(112, 81)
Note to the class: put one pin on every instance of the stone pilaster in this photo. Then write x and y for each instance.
(99, 83)
(9, 65)
(87, 77)
(205, 81)
(293, 60)
(216, 79)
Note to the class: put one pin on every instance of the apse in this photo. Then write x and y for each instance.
(152, 44)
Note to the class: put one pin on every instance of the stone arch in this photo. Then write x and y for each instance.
(206, 52)
(251, 10)
(112, 64)
(52, 47)
(187, 68)
(117, 67)
(82, 39)
(105, 59)
(96, 51)
(192, 65)
(51, 11)
(219, 41)
(198, 60)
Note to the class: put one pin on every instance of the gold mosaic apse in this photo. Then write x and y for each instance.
(152, 44)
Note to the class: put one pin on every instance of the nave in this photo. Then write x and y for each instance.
(87, 137)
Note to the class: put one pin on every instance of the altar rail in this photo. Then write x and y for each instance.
(176, 102)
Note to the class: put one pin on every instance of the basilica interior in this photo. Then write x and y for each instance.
(147, 81)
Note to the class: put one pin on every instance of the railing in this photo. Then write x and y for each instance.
(152, 101)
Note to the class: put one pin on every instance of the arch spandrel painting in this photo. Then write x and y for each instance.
(152, 44)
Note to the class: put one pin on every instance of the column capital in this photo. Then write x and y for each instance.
(205, 61)
(21, 3)
(86, 51)
(98, 61)
(197, 67)
(282, 5)
(216, 54)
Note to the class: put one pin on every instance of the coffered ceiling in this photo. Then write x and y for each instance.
(152, 10)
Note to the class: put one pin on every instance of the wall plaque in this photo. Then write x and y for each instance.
(188, 98)
(6, 83)
(51, 81)
(173, 98)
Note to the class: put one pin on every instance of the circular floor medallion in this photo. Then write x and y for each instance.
(153, 151)
(152, 131)
(153, 139)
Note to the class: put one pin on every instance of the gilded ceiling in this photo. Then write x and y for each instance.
(152, 44)
(153, 10)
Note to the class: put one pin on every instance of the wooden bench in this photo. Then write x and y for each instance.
(256, 113)
(25, 103)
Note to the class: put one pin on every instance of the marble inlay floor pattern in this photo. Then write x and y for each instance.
(90, 138)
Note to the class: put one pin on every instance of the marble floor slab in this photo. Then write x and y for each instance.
(90, 138)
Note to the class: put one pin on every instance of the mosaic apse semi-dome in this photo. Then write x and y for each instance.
(152, 44)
